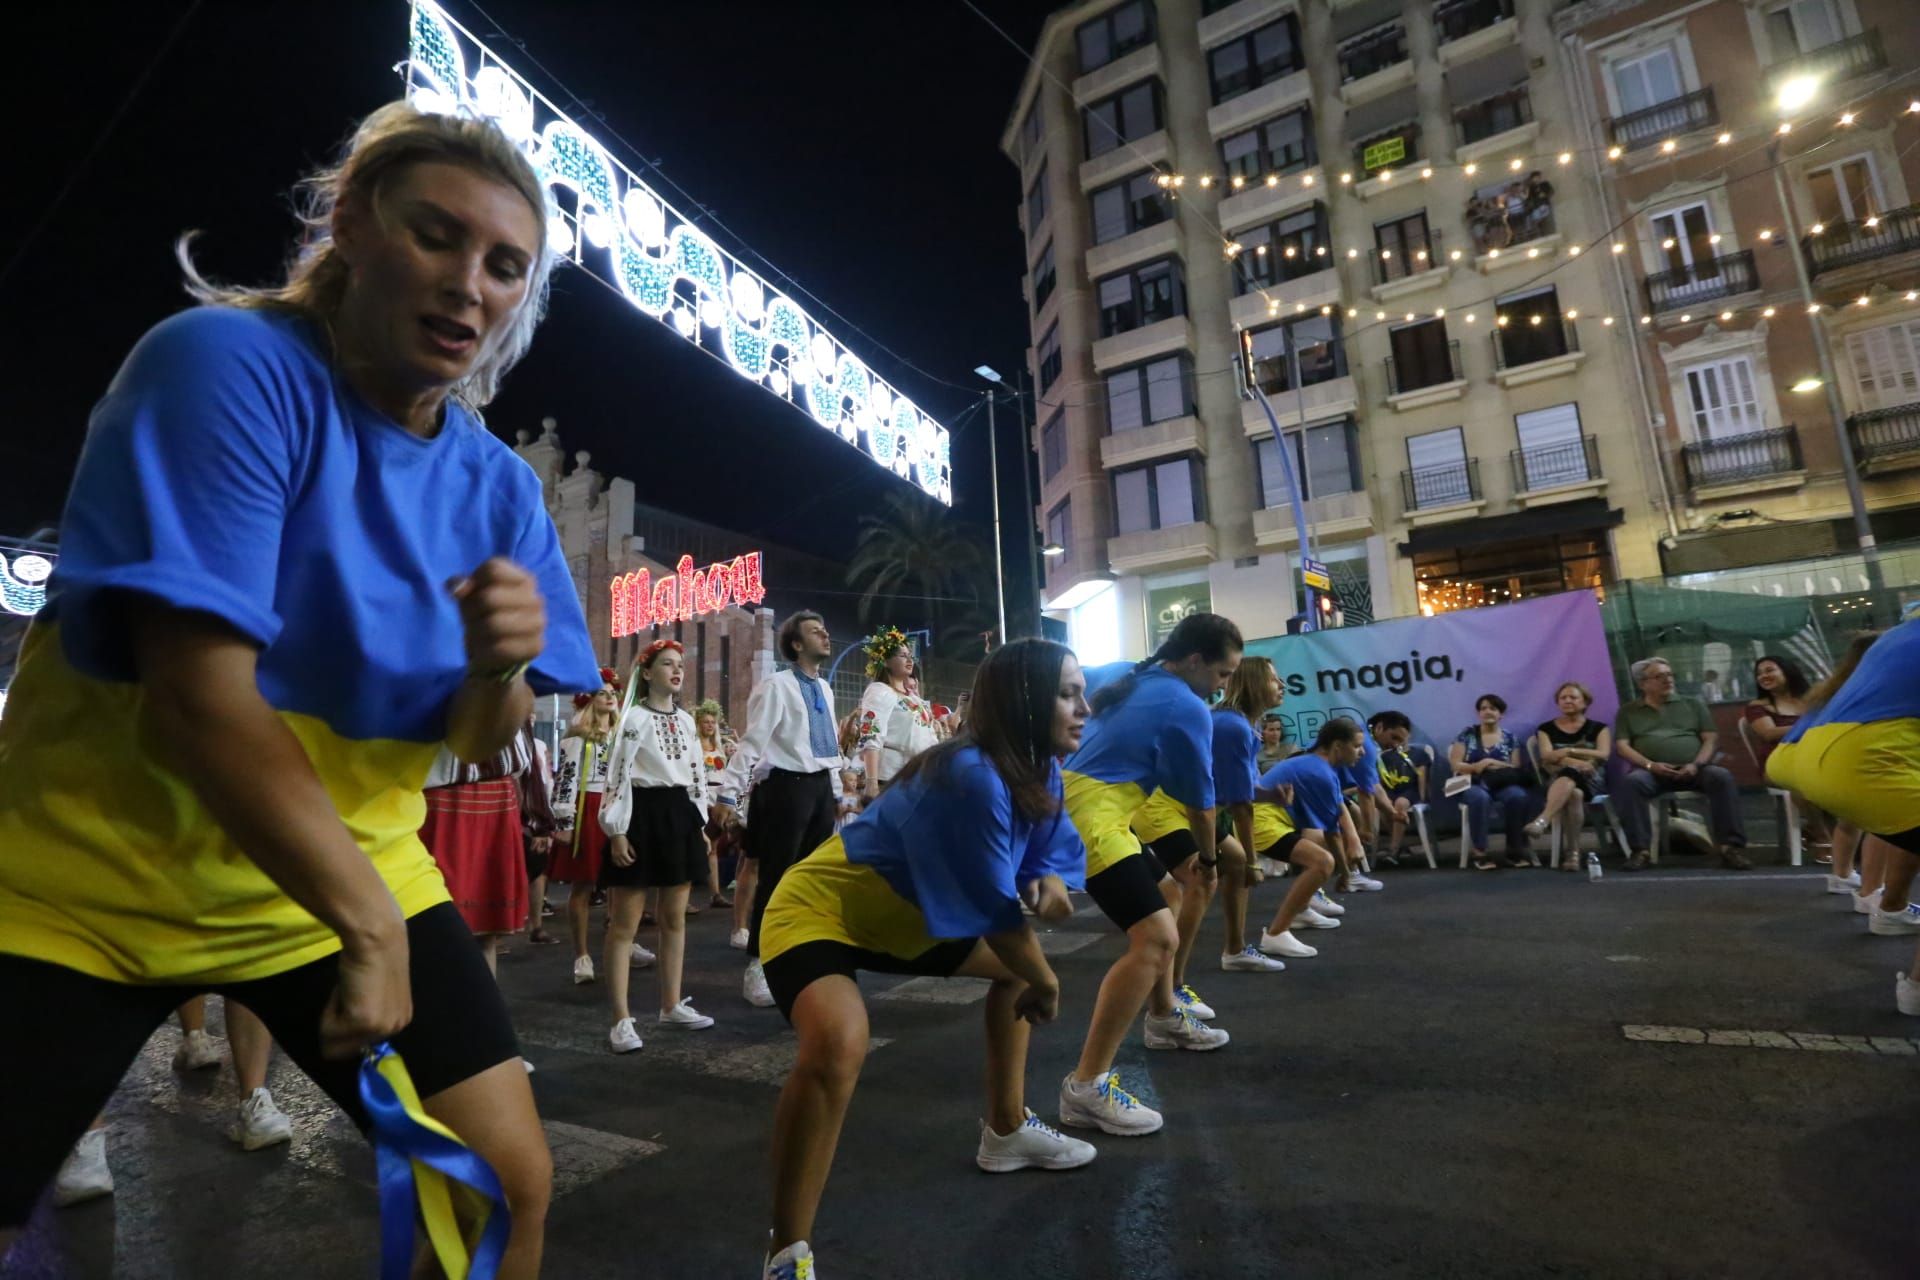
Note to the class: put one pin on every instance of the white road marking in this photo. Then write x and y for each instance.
(1812, 1041)
(1725, 877)
(1063, 944)
(938, 990)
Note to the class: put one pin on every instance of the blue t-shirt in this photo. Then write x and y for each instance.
(1364, 774)
(958, 848)
(1236, 752)
(1160, 738)
(1316, 790)
(1885, 686)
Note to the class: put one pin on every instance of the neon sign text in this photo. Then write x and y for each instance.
(640, 603)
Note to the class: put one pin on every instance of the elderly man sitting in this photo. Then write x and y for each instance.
(1670, 743)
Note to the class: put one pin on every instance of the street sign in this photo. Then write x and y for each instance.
(1383, 153)
(1314, 574)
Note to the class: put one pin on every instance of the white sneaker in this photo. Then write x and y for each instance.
(1538, 827)
(1189, 999)
(625, 1037)
(197, 1051)
(1843, 884)
(737, 939)
(1311, 919)
(582, 970)
(1034, 1145)
(1285, 944)
(1274, 867)
(84, 1174)
(795, 1262)
(685, 1015)
(753, 985)
(640, 958)
(1326, 906)
(1865, 903)
(260, 1123)
(1906, 995)
(1362, 883)
(1894, 924)
(1181, 1030)
(1250, 960)
(1104, 1105)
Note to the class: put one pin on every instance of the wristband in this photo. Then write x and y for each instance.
(502, 675)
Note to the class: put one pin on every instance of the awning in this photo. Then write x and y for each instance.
(1588, 514)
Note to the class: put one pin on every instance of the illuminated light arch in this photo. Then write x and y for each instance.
(667, 268)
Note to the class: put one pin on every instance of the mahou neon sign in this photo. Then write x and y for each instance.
(640, 604)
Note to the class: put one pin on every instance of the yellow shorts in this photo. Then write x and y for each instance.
(825, 898)
(1271, 825)
(1103, 813)
(1868, 774)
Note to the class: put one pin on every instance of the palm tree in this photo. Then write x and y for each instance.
(916, 557)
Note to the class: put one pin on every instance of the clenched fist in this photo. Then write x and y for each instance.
(503, 614)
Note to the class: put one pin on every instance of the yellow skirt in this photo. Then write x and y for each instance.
(1162, 814)
(825, 898)
(1868, 774)
(1103, 814)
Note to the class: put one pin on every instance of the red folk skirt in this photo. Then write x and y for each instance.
(473, 832)
(578, 859)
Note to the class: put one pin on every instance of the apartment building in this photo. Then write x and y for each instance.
(1372, 213)
(1752, 253)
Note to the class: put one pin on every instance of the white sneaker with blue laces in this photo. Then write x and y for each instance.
(1187, 998)
(1250, 960)
(1326, 906)
(1181, 1030)
(795, 1262)
(1894, 924)
(1103, 1104)
(1034, 1145)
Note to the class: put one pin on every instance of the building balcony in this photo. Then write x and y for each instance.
(1886, 439)
(1163, 337)
(1263, 103)
(1502, 238)
(1846, 244)
(1105, 81)
(1557, 473)
(1831, 64)
(1493, 124)
(1465, 29)
(1706, 280)
(1155, 151)
(1431, 382)
(1284, 298)
(1342, 517)
(1431, 495)
(1261, 201)
(1413, 270)
(1176, 437)
(1380, 159)
(1161, 240)
(1663, 120)
(1525, 352)
(1739, 465)
(1222, 20)
(1375, 63)
(1332, 398)
(1176, 547)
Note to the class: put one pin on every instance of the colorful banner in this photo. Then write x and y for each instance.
(1435, 669)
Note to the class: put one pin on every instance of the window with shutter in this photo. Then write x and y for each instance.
(1886, 365)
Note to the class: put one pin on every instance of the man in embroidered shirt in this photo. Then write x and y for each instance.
(790, 755)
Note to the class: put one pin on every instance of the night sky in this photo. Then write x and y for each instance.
(854, 144)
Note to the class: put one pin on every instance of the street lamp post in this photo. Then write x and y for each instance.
(993, 461)
(1300, 528)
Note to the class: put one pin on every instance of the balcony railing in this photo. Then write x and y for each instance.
(1832, 63)
(1408, 260)
(1881, 433)
(1843, 244)
(1381, 152)
(1521, 342)
(1455, 19)
(1442, 486)
(1501, 223)
(1702, 281)
(1427, 373)
(1550, 466)
(1496, 114)
(1370, 51)
(1664, 120)
(1732, 459)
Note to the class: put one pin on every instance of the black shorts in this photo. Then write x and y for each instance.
(1173, 848)
(93, 1029)
(1129, 890)
(1281, 850)
(797, 968)
(1410, 794)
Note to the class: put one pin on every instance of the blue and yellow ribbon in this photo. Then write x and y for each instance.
(420, 1158)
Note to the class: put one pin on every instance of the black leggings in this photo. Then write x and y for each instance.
(95, 1029)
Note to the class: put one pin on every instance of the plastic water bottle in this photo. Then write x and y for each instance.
(1593, 866)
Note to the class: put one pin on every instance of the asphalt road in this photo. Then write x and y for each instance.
(1504, 1075)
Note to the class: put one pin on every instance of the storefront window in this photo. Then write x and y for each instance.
(1502, 572)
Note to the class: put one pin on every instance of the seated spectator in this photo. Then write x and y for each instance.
(1402, 771)
(1573, 753)
(1490, 755)
(1670, 743)
(1781, 702)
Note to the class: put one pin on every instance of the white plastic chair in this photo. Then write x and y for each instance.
(1789, 803)
(1558, 827)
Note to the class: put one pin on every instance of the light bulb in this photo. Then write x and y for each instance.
(1471, 169)
(1726, 315)
(1669, 147)
(1566, 157)
(1514, 164)
(1766, 313)
(1273, 179)
(1618, 247)
(1614, 153)
(1724, 139)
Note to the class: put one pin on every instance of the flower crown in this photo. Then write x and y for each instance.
(883, 644)
(608, 676)
(654, 650)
